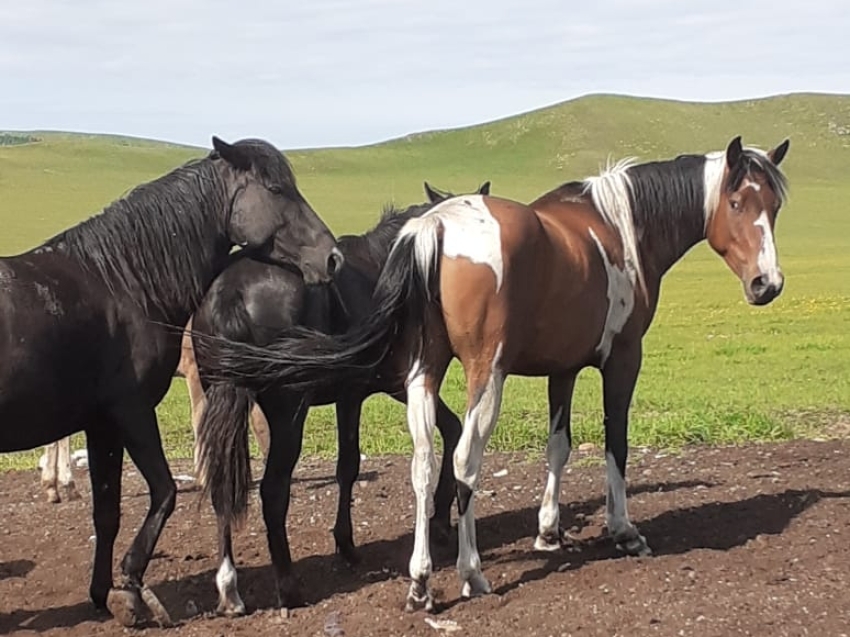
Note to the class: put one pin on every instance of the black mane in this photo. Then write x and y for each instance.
(156, 244)
(380, 238)
(668, 197)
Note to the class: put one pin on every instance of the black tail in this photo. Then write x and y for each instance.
(306, 359)
(222, 454)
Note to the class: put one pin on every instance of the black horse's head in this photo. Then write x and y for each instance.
(269, 215)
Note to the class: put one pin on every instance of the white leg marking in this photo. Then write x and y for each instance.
(620, 528)
(421, 420)
(66, 476)
(617, 516)
(229, 601)
(557, 454)
(469, 230)
(468, 457)
(48, 471)
(767, 260)
(621, 300)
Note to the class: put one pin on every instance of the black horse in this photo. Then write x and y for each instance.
(253, 302)
(86, 326)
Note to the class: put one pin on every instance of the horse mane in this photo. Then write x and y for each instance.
(673, 198)
(380, 238)
(155, 245)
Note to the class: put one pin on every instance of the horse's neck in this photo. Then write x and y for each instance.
(665, 236)
(658, 255)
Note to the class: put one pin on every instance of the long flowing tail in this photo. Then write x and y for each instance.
(223, 457)
(306, 359)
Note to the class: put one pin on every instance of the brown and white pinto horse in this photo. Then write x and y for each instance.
(546, 289)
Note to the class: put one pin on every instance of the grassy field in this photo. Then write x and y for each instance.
(716, 370)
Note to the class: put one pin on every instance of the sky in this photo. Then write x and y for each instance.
(316, 73)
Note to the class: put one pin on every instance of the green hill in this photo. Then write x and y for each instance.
(715, 369)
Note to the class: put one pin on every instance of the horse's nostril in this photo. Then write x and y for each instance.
(758, 285)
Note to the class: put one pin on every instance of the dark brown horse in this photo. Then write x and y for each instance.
(85, 336)
(546, 289)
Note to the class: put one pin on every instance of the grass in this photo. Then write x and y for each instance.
(715, 369)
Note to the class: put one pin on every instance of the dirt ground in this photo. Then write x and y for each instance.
(748, 541)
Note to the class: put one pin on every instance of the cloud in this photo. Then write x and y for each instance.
(331, 72)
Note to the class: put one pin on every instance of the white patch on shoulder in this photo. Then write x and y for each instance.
(470, 231)
(621, 300)
(767, 260)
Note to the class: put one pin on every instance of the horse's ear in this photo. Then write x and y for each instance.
(778, 154)
(233, 155)
(484, 189)
(734, 152)
(434, 195)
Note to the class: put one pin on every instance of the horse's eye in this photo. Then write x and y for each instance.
(735, 204)
(275, 190)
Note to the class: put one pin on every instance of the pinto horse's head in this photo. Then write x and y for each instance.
(750, 191)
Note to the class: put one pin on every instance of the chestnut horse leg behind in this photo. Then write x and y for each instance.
(57, 479)
(188, 368)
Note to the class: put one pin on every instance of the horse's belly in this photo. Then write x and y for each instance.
(30, 420)
(561, 336)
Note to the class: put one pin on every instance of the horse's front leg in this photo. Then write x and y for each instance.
(619, 376)
(140, 435)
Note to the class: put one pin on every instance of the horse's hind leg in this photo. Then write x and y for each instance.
(286, 417)
(450, 430)
(48, 472)
(423, 388)
(550, 536)
(619, 377)
(347, 468)
(485, 381)
(141, 438)
(105, 457)
(230, 604)
(66, 476)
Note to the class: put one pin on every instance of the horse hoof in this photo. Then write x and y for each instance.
(548, 542)
(475, 586)
(231, 610)
(125, 606)
(634, 546)
(53, 496)
(71, 492)
(418, 598)
(160, 615)
(289, 597)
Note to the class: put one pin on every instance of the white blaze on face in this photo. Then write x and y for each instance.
(621, 300)
(767, 259)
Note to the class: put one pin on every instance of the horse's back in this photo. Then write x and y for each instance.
(251, 301)
(538, 287)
